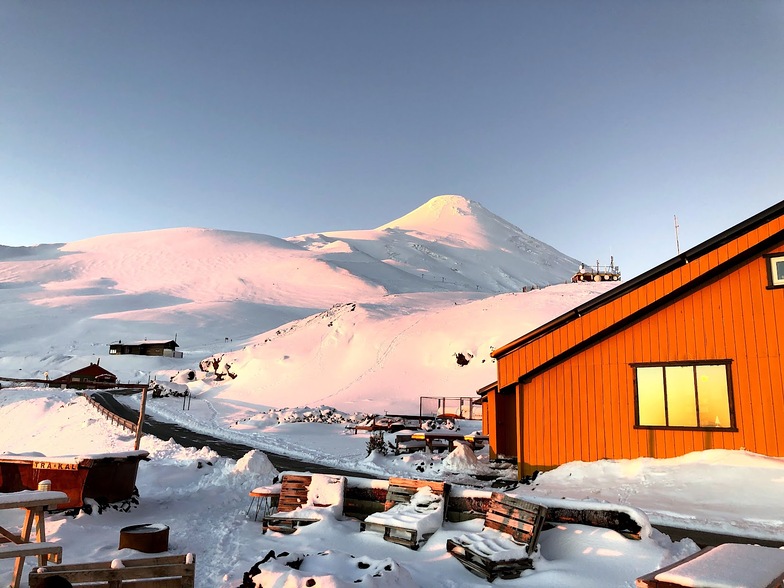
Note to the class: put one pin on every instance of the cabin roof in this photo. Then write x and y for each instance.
(671, 265)
(147, 342)
(92, 370)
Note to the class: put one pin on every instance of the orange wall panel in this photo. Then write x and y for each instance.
(582, 415)
(589, 398)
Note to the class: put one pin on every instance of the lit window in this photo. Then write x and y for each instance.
(776, 270)
(684, 396)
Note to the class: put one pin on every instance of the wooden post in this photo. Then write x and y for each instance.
(141, 418)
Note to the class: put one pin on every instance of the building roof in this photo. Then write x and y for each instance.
(92, 371)
(146, 342)
(669, 266)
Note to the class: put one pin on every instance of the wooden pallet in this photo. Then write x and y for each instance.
(517, 524)
(293, 495)
(399, 492)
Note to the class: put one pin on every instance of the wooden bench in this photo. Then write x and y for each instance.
(172, 571)
(401, 500)
(506, 543)
(295, 498)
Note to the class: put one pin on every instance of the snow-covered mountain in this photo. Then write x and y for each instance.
(323, 313)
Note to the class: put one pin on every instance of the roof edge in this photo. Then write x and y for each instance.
(669, 298)
(670, 265)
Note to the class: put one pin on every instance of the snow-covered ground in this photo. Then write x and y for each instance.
(204, 499)
(347, 323)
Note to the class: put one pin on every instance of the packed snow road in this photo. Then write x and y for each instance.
(188, 438)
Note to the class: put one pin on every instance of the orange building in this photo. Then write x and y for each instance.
(685, 357)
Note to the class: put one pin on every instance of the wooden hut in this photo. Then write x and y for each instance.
(158, 348)
(684, 357)
(86, 377)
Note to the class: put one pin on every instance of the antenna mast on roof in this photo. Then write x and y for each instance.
(677, 243)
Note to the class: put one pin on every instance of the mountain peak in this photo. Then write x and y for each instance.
(449, 214)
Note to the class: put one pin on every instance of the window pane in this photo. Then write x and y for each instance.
(714, 396)
(681, 404)
(650, 396)
(780, 271)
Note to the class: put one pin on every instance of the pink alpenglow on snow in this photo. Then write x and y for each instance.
(729, 566)
(333, 569)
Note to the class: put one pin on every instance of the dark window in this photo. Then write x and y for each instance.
(683, 395)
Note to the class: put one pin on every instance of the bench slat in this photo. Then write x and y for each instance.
(402, 489)
(128, 563)
(293, 492)
(24, 549)
(176, 571)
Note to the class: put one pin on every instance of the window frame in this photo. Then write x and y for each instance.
(727, 363)
(770, 261)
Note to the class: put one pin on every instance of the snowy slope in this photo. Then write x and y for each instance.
(355, 356)
(433, 283)
(449, 243)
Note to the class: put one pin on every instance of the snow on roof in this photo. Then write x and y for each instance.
(148, 342)
(72, 459)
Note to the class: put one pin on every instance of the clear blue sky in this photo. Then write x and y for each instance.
(588, 124)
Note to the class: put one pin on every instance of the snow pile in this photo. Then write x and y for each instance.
(331, 569)
(256, 463)
(493, 544)
(325, 490)
(463, 460)
(159, 389)
(664, 487)
(303, 414)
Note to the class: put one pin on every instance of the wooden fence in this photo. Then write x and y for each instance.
(117, 420)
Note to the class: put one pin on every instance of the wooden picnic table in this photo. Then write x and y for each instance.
(438, 438)
(34, 503)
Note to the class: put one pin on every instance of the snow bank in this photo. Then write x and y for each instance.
(463, 460)
(331, 569)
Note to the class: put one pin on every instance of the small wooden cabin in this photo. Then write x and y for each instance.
(685, 357)
(157, 348)
(85, 377)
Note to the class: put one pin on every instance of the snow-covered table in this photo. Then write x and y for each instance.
(731, 565)
(266, 499)
(34, 503)
(447, 439)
